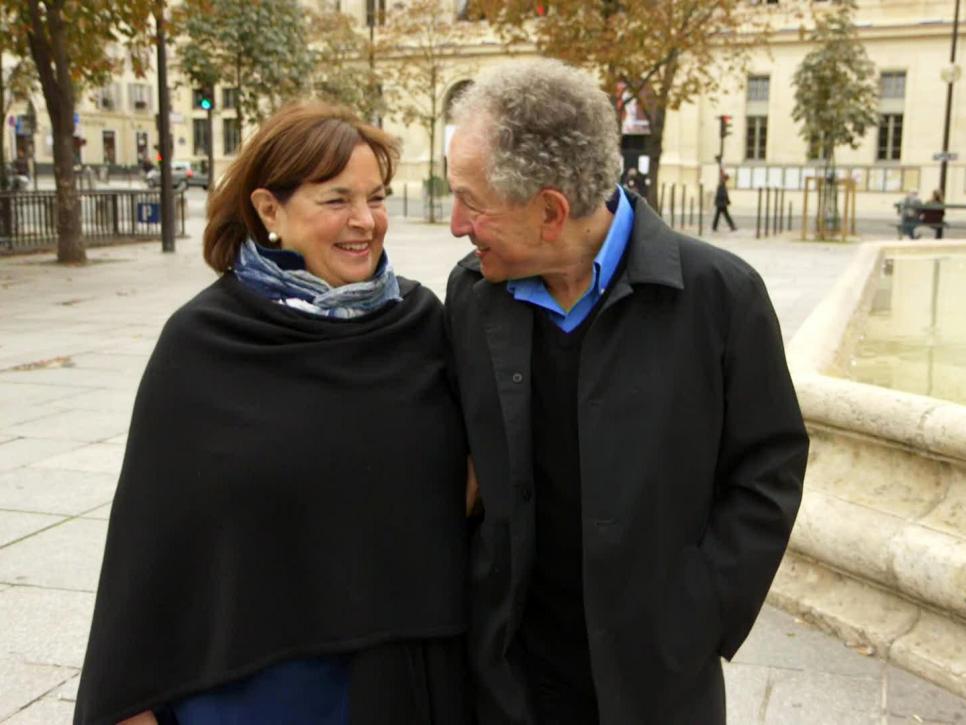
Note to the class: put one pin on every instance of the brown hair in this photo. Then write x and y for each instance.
(303, 142)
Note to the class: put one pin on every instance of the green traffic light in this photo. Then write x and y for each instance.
(206, 104)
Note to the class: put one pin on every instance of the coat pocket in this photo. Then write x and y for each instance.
(691, 630)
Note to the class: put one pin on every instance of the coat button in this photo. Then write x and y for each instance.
(526, 493)
(517, 377)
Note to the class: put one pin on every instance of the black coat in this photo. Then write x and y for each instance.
(692, 454)
(721, 198)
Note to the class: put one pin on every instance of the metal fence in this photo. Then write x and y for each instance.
(28, 219)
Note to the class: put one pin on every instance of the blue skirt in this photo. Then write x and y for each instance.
(298, 691)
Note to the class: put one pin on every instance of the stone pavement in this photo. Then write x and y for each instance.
(73, 344)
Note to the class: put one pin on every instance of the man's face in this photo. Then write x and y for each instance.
(507, 236)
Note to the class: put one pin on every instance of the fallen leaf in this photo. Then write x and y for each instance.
(64, 361)
(862, 648)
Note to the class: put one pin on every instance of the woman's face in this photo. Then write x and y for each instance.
(337, 225)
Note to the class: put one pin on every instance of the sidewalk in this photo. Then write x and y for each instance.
(73, 344)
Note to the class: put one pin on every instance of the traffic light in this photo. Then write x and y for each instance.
(725, 127)
(205, 99)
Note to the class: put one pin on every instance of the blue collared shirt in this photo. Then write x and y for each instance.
(534, 291)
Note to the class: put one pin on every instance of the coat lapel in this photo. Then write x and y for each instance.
(508, 326)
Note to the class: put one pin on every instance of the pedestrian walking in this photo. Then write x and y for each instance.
(633, 180)
(637, 440)
(287, 541)
(721, 203)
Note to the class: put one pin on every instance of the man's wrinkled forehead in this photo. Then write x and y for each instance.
(467, 156)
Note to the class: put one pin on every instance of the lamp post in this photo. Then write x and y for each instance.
(164, 133)
(950, 75)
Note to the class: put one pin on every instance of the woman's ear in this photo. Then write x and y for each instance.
(267, 207)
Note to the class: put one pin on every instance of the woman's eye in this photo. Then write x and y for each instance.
(335, 202)
(377, 199)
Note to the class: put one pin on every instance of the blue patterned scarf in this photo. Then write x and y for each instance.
(302, 290)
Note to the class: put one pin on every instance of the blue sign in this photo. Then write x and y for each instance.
(149, 212)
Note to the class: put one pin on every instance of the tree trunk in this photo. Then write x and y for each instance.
(70, 243)
(50, 58)
(828, 204)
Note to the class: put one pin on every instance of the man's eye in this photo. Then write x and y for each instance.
(377, 199)
(335, 202)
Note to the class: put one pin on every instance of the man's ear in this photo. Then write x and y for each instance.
(554, 209)
(267, 207)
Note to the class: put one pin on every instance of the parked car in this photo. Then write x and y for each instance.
(197, 177)
(181, 173)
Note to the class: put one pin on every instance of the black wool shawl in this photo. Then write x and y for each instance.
(292, 487)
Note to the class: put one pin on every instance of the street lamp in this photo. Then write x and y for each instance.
(950, 74)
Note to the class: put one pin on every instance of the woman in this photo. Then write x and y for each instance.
(286, 543)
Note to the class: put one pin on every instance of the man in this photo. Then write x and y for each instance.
(909, 210)
(721, 203)
(637, 440)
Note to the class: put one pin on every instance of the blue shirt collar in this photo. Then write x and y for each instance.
(533, 290)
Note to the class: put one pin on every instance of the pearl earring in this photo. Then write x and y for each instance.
(273, 237)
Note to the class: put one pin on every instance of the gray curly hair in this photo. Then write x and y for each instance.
(550, 126)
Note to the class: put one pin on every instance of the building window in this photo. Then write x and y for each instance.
(141, 143)
(139, 96)
(109, 146)
(231, 133)
(892, 85)
(889, 147)
(375, 13)
(229, 98)
(756, 138)
(758, 88)
(107, 97)
(200, 126)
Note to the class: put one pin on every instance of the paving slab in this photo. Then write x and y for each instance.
(786, 642)
(45, 626)
(47, 711)
(820, 697)
(95, 458)
(102, 513)
(746, 688)
(910, 698)
(115, 400)
(22, 393)
(68, 691)
(24, 451)
(84, 426)
(55, 491)
(13, 414)
(66, 556)
(24, 682)
(16, 525)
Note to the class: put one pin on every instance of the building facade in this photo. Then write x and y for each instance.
(907, 40)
